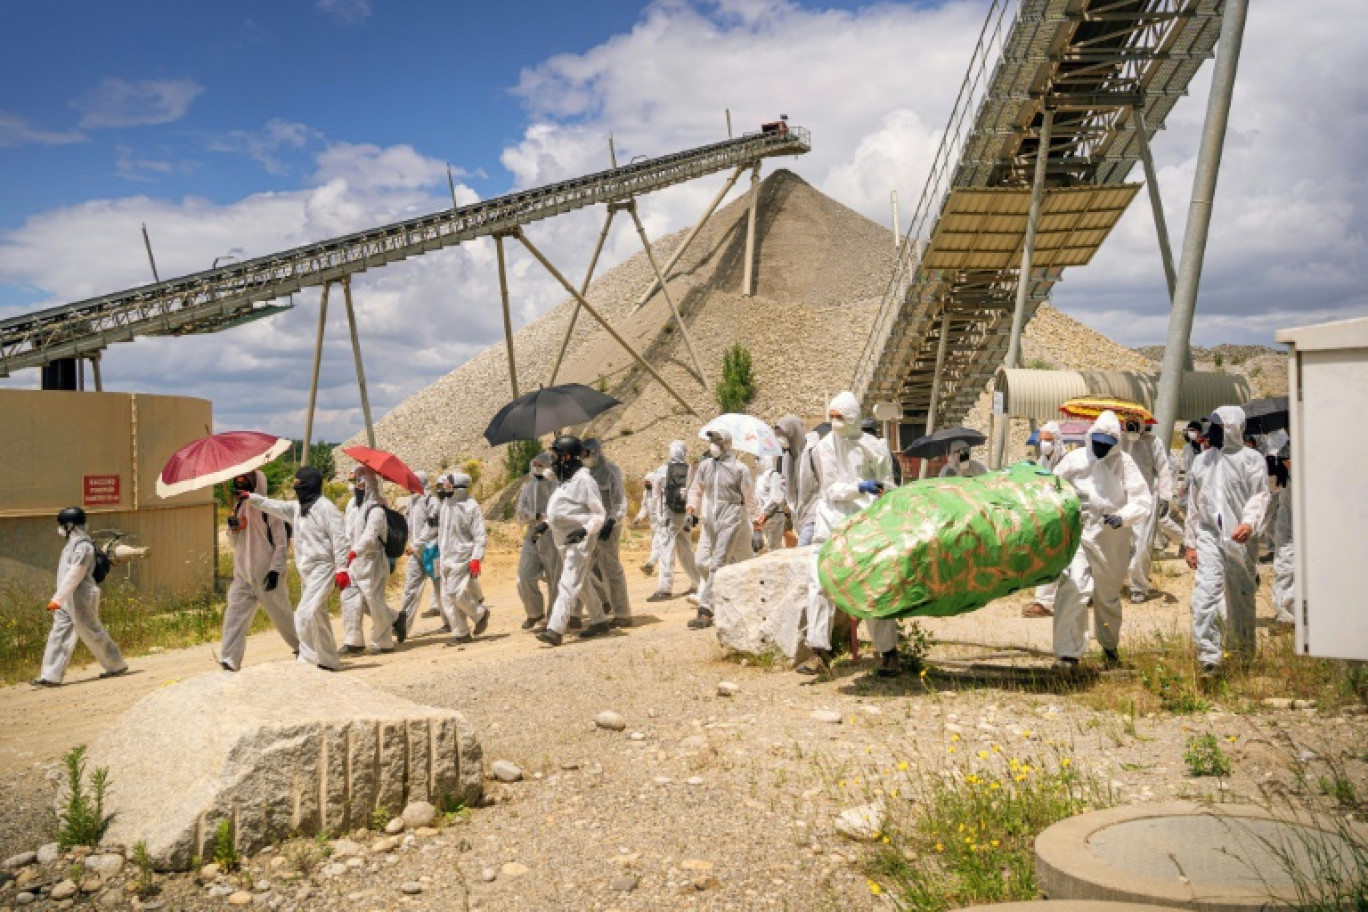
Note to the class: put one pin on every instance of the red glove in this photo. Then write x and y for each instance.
(342, 580)
(475, 567)
(351, 556)
(54, 606)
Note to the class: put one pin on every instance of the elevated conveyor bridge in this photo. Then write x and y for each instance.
(1088, 82)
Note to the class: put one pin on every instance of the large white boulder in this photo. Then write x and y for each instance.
(279, 748)
(758, 604)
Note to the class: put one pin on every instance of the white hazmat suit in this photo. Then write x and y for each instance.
(961, 464)
(538, 560)
(1284, 559)
(79, 613)
(674, 542)
(1051, 452)
(461, 539)
(770, 502)
(723, 497)
(608, 577)
(575, 504)
(1152, 459)
(422, 516)
(259, 548)
(1108, 487)
(1227, 489)
(369, 568)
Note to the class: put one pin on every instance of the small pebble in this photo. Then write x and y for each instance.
(727, 689)
(610, 721)
(23, 899)
(513, 869)
(625, 884)
(488, 875)
(829, 716)
(240, 898)
(412, 888)
(395, 826)
(506, 771)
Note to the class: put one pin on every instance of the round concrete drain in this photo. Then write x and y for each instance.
(1218, 859)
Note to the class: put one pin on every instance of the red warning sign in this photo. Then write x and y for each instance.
(101, 490)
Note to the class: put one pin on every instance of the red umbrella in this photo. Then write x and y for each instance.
(387, 466)
(218, 457)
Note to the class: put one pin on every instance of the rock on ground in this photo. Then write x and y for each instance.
(506, 771)
(276, 748)
(863, 823)
(759, 603)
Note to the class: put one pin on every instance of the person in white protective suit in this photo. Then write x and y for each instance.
(960, 463)
(608, 577)
(1114, 499)
(574, 516)
(854, 471)
(353, 605)
(673, 541)
(422, 525)
(538, 560)
(369, 566)
(770, 504)
(75, 607)
(259, 548)
(793, 441)
(1284, 551)
(809, 487)
(1050, 450)
(722, 494)
(461, 541)
(320, 553)
(649, 513)
(1227, 501)
(1151, 457)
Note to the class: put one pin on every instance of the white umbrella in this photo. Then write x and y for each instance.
(748, 433)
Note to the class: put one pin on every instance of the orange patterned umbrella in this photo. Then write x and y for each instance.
(1092, 406)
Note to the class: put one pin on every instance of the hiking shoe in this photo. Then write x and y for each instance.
(1036, 610)
(400, 627)
(226, 667)
(595, 630)
(483, 623)
(352, 650)
(617, 623)
(647, 569)
(532, 622)
(114, 674)
(890, 665)
(1065, 665)
(1111, 658)
(659, 597)
(44, 682)
(819, 663)
(703, 621)
(549, 637)
(460, 640)
(327, 668)
(379, 650)
(1139, 598)
(575, 624)
(432, 613)
(1209, 670)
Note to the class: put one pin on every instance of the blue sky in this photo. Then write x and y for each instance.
(244, 128)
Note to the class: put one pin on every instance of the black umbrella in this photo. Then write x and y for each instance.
(1264, 416)
(938, 444)
(529, 417)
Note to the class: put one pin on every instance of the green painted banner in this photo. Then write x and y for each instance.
(946, 546)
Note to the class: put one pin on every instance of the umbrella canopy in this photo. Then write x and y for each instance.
(748, 433)
(548, 409)
(387, 466)
(1092, 406)
(218, 457)
(1264, 416)
(938, 443)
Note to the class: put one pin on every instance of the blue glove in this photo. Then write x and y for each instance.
(1112, 520)
(871, 487)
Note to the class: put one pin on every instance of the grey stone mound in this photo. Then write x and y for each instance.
(759, 603)
(277, 749)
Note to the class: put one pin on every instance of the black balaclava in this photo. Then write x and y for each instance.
(1100, 448)
(567, 465)
(1216, 435)
(245, 482)
(308, 486)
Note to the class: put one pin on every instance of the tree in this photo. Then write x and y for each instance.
(737, 387)
(518, 458)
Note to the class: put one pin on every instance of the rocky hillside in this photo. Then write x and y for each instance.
(1265, 368)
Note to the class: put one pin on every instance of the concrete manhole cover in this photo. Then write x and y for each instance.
(1187, 855)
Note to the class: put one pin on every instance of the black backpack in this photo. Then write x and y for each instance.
(102, 564)
(677, 487)
(270, 539)
(396, 534)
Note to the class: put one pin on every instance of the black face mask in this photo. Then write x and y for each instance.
(964, 456)
(308, 486)
(1216, 436)
(566, 468)
(1100, 449)
(443, 494)
(244, 483)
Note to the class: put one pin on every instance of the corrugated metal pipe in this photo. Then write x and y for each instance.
(1038, 393)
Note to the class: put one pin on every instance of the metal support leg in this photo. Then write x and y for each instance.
(660, 277)
(555, 274)
(1157, 207)
(1199, 214)
(748, 274)
(95, 369)
(508, 320)
(356, 352)
(318, 361)
(936, 382)
(1024, 277)
(688, 238)
(584, 290)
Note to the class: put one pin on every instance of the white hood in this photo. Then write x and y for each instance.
(1233, 421)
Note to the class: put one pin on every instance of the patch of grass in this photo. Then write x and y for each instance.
(1328, 867)
(1204, 757)
(914, 642)
(1039, 364)
(305, 855)
(380, 817)
(225, 847)
(968, 834)
(144, 881)
(82, 821)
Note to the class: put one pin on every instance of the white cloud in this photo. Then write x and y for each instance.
(130, 165)
(345, 10)
(16, 131)
(268, 145)
(125, 103)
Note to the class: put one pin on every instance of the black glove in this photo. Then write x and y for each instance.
(607, 529)
(1163, 508)
(1112, 520)
(539, 530)
(272, 580)
(576, 536)
(689, 522)
(234, 523)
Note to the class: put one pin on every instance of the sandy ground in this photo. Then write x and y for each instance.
(704, 801)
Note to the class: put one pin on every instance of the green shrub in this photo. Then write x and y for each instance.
(518, 457)
(225, 851)
(144, 883)
(1204, 757)
(737, 387)
(82, 821)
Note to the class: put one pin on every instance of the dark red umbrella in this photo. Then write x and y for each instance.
(218, 457)
(387, 466)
